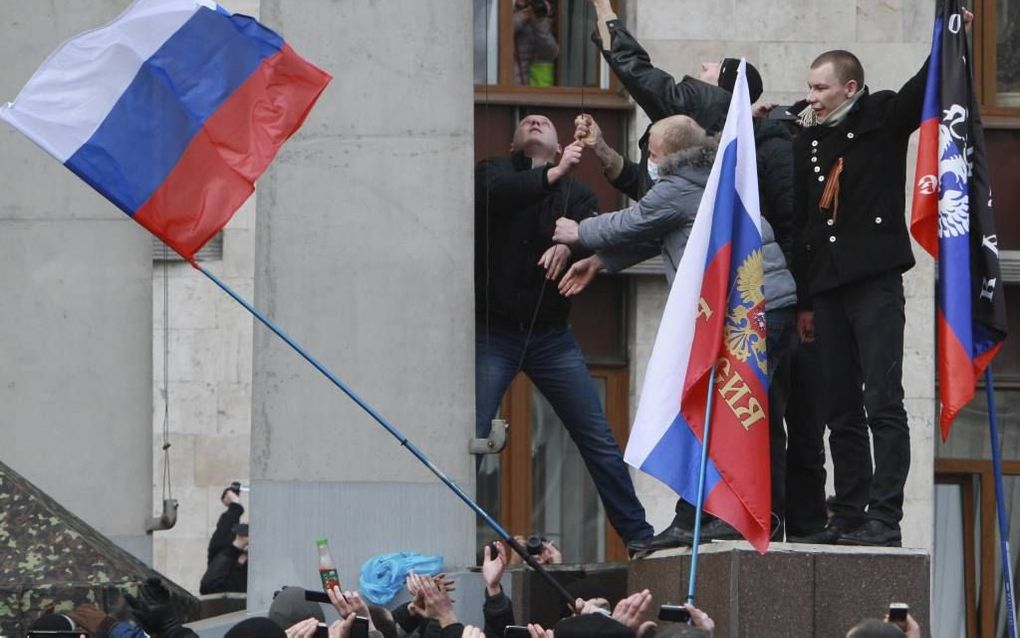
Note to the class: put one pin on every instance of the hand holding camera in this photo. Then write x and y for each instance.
(493, 566)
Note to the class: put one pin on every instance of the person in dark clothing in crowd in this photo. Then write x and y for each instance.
(851, 252)
(706, 100)
(522, 321)
(227, 568)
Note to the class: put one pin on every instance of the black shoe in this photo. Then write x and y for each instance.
(715, 529)
(828, 535)
(673, 536)
(873, 533)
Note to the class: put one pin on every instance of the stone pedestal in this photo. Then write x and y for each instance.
(793, 590)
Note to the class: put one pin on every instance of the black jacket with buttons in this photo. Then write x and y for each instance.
(515, 215)
(865, 234)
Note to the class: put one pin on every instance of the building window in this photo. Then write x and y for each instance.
(539, 51)
(997, 54)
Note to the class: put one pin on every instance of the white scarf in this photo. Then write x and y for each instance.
(808, 118)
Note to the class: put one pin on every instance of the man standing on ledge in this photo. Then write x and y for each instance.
(851, 251)
(522, 319)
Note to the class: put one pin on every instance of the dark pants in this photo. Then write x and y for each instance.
(779, 327)
(554, 363)
(859, 331)
(805, 446)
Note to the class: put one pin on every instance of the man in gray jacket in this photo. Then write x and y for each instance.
(680, 161)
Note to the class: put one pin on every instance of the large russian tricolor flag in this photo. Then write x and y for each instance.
(952, 218)
(171, 111)
(715, 320)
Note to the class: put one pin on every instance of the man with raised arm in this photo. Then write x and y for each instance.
(850, 255)
(522, 321)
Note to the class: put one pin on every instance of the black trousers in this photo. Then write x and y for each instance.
(805, 443)
(859, 333)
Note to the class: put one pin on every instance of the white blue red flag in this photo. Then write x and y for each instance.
(171, 111)
(715, 319)
(952, 218)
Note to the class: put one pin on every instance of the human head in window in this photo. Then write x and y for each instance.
(535, 47)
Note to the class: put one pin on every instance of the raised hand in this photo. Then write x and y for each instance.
(494, 566)
(587, 131)
(633, 612)
(570, 158)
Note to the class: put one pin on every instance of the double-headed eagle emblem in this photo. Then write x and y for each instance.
(745, 320)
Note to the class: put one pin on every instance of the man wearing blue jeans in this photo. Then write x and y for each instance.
(522, 319)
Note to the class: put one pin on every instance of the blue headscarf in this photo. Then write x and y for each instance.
(383, 576)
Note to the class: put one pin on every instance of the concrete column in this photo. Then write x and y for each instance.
(76, 326)
(364, 253)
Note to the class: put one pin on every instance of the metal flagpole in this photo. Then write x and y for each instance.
(1000, 503)
(701, 489)
(397, 434)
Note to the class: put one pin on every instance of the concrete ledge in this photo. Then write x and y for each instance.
(793, 590)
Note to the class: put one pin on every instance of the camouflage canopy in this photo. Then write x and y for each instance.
(51, 558)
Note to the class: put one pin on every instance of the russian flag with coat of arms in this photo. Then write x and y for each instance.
(171, 111)
(713, 327)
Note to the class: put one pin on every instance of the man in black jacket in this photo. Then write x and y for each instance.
(706, 100)
(227, 560)
(522, 321)
(850, 255)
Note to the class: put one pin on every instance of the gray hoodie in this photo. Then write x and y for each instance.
(662, 222)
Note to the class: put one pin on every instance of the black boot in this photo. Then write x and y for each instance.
(874, 533)
(676, 535)
(831, 534)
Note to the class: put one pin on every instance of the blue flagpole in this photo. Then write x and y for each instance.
(701, 489)
(397, 434)
(1000, 503)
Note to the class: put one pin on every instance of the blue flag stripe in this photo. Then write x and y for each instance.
(675, 460)
(174, 92)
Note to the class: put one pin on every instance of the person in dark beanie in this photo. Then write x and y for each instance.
(590, 625)
(706, 99)
(256, 628)
(289, 606)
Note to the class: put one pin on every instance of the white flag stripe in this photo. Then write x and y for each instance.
(78, 85)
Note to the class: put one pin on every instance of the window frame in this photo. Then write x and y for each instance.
(984, 46)
(504, 91)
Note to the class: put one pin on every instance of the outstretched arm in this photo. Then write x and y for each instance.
(660, 211)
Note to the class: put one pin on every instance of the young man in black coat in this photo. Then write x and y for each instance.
(850, 255)
(522, 320)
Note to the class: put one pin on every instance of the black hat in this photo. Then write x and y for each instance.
(256, 628)
(240, 529)
(290, 607)
(728, 78)
(588, 625)
(53, 622)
